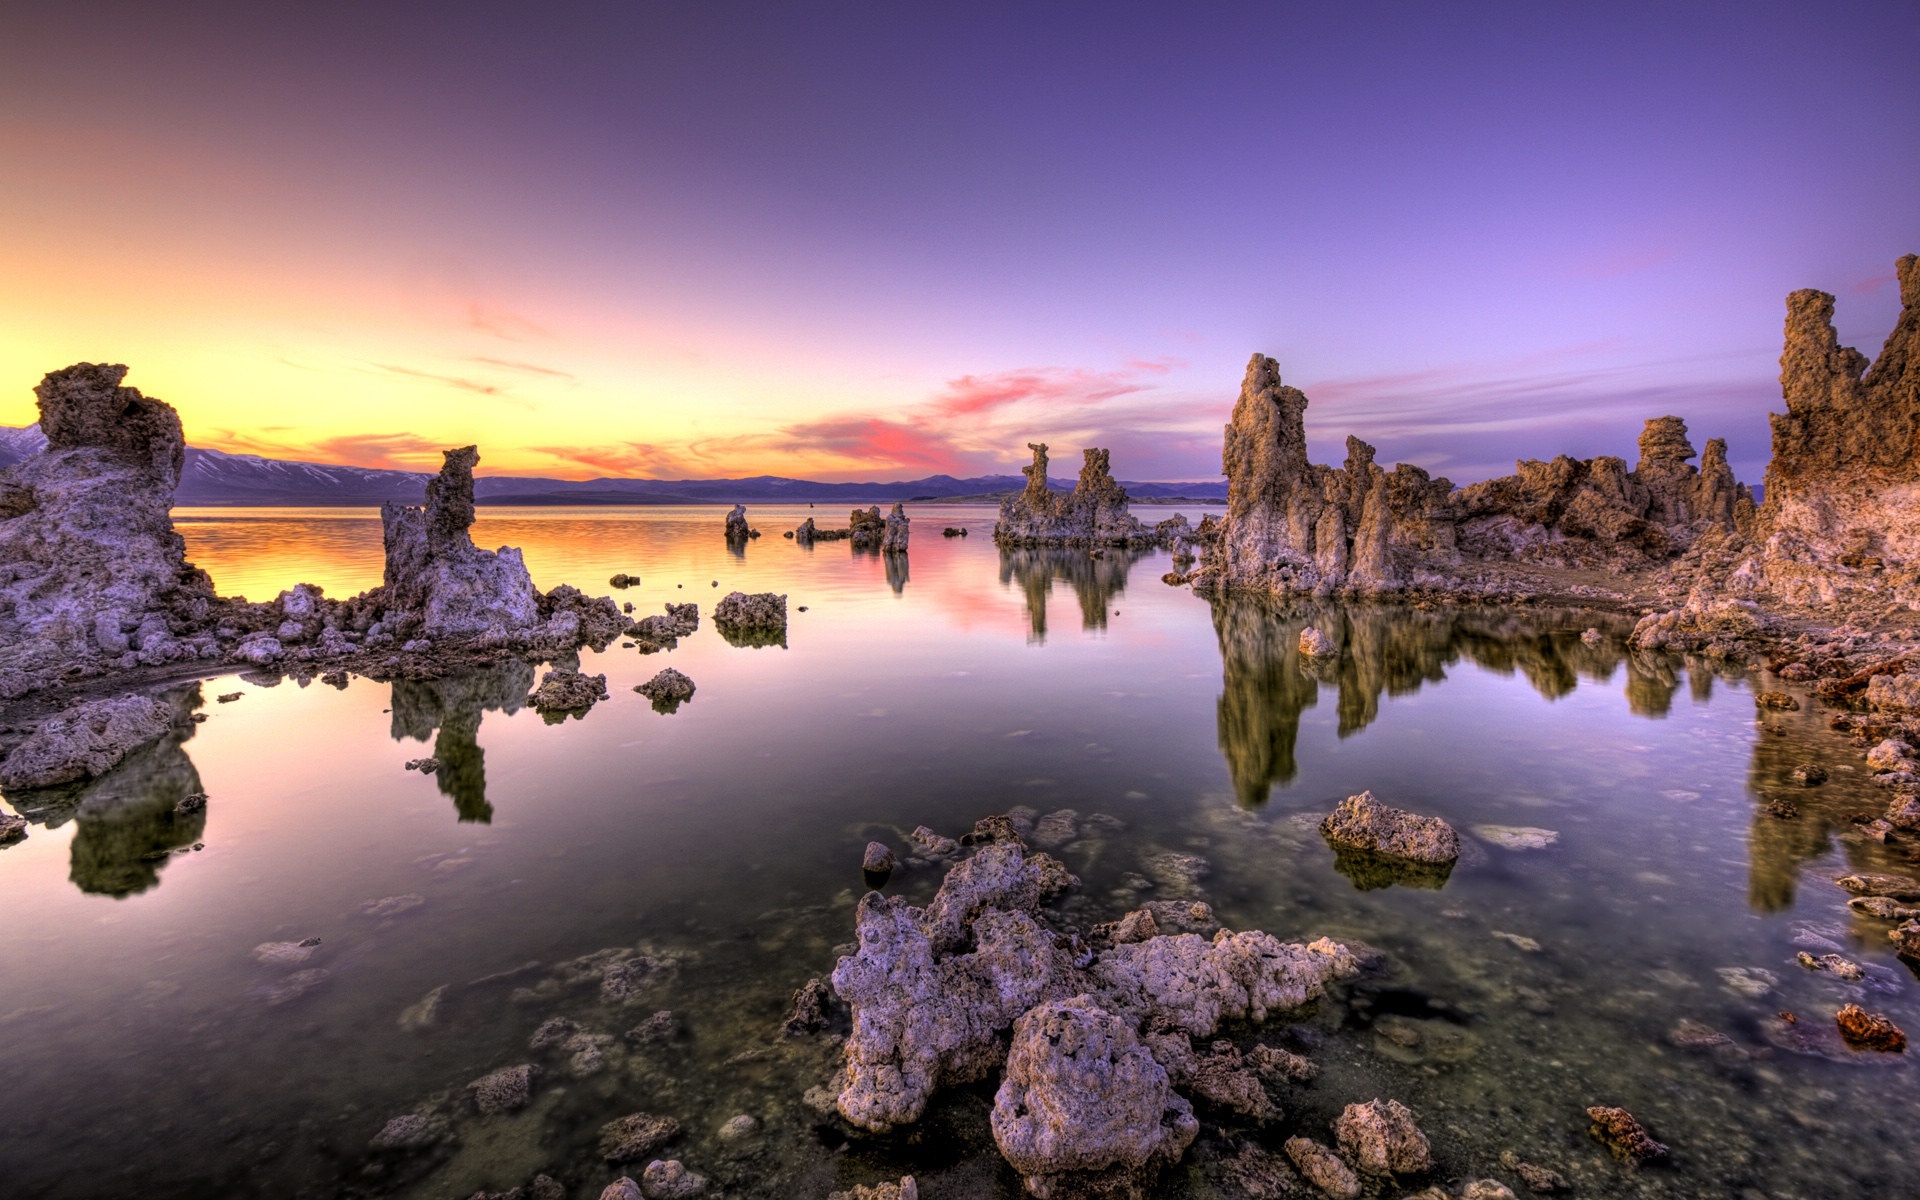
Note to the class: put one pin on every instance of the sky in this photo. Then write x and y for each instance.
(856, 241)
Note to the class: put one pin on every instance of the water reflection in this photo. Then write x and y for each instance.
(1096, 576)
(131, 820)
(454, 705)
(1393, 651)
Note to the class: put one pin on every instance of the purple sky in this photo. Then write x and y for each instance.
(857, 240)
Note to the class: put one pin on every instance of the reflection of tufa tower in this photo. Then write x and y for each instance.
(1095, 581)
(454, 705)
(1267, 683)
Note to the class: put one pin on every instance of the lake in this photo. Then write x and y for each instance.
(163, 1033)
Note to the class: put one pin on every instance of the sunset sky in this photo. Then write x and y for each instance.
(853, 241)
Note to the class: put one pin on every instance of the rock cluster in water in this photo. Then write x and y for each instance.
(93, 577)
(1090, 1095)
(1293, 526)
(1094, 513)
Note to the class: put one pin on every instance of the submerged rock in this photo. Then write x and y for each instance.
(12, 829)
(635, 1136)
(906, 1189)
(1363, 823)
(1381, 1139)
(505, 1090)
(1624, 1135)
(1870, 1031)
(1323, 1168)
(809, 1009)
(670, 1180)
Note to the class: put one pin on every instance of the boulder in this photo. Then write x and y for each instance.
(504, 1090)
(1381, 1139)
(85, 741)
(1315, 644)
(756, 619)
(563, 691)
(1362, 823)
(1081, 1095)
(894, 540)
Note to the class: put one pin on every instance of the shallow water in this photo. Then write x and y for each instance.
(146, 1051)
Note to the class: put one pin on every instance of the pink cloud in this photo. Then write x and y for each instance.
(972, 394)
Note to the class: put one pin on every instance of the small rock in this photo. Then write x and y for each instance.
(622, 1188)
(426, 766)
(391, 906)
(1776, 702)
(1809, 775)
(285, 954)
(624, 580)
(1592, 637)
(658, 1028)
(12, 829)
(670, 1180)
(878, 859)
(505, 1090)
(1832, 964)
(1863, 883)
(1323, 1168)
(410, 1131)
(736, 1128)
(1486, 1189)
(931, 844)
(809, 1011)
(635, 1136)
(1891, 755)
(1381, 1139)
(1274, 1063)
(564, 691)
(228, 697)
(906, 1189)
(1622, 1134)
(1870, 1031)
(1315, 644)
(668, 690)
(1537, 1178)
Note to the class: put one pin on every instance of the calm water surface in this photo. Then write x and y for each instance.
(146, 1051)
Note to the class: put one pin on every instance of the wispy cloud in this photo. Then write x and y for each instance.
(490, 318)
(970, 395)
(525, 368)
(387, 451)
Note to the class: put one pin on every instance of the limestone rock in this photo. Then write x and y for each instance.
(503, 1091)
(623, 1188)
(1624, 1135)
(877, 860)
(757, 619)
(635, 1136)
(1381, 1139)
(1323, 1168)
(433, 569)
(670, 1180)
(1082, 1095)
(564, 691)
(668, 690)
(866, 528)
(1314, 644)
(1362, 823)
(894, 540)
(1870, 1031)
(1842, 511)
(737, 529)
(91, 570)
(1185, 982)
(1294, 527)
(1093, 514)
(906, 1189)
(85, 741)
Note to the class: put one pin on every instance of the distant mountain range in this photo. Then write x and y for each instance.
(214, 477)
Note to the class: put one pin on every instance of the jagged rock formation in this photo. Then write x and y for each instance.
(1842, 511)
(663, 632)
(866, 527)
(808, 533)
(91, 571)
(93, 577)
(435, 571)
(894, 541)
(1094, 513)
(759, 619)
(737, 530)
(1296, 527)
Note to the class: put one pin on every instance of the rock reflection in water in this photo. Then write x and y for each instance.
(1386, 649)
(454, 706)
(1095, 576)
(129, 821)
